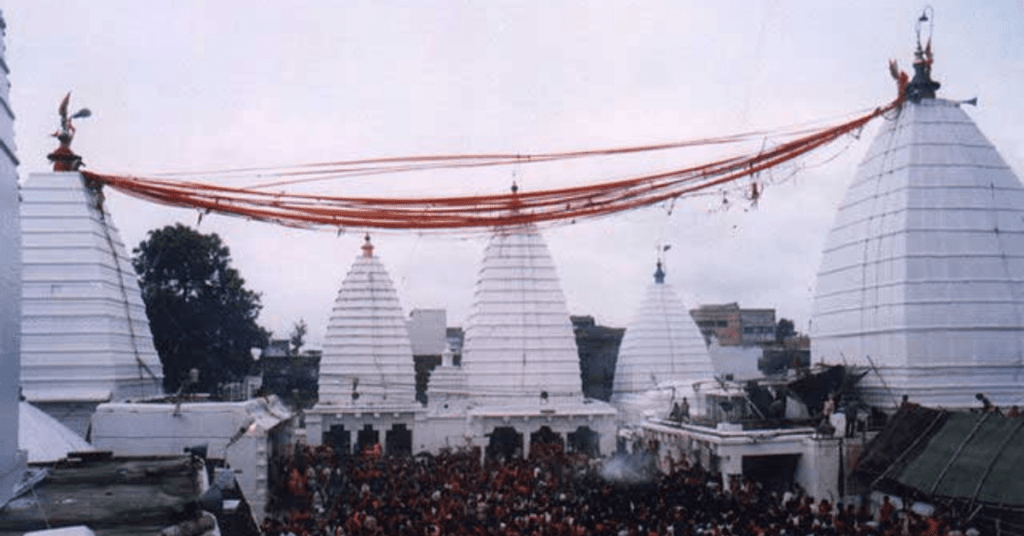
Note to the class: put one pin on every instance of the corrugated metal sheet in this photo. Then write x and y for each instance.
(973, 456)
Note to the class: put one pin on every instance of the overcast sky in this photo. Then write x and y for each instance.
(205, 85)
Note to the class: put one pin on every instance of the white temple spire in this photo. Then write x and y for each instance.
(661, 345)
(922, 275)
(520, 345)
(367, 359)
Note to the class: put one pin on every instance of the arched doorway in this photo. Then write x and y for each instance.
(585, 441)
(368, 437)
(545, 441)
(505, 443)
(339, 439)
(398, 441)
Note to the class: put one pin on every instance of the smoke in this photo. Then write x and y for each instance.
(630, 469)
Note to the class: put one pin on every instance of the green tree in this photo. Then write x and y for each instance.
(200, 312)
(784, 329)
(297, 338)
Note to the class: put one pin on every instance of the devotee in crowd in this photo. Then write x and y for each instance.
(553, 493)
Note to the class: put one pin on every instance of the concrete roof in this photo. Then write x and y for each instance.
(112, 497)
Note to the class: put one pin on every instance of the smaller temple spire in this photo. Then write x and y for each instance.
(367, 247)
(659, 274)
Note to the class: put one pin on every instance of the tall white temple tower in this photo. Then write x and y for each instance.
(85, 333)
(662, 348)
(922, 276)
(519, 383)
(12, 460)
(520, 347)
(367, 374)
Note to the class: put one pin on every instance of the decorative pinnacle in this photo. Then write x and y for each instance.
(659, 274)
(367, 247)
(63, 158)
(922, 86)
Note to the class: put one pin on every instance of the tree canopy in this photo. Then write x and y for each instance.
(784, 329)
(297, 338)
(200, 312)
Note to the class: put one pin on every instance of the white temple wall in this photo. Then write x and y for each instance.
(740, 362)
(12, 461)
(427, 331)
(438, 432)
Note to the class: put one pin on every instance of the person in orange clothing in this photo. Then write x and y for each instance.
(885, 512)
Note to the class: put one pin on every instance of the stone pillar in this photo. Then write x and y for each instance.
(730, 464)
(818, 469)
(314, 429)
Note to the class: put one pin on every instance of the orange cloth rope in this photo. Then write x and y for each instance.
(567, 204)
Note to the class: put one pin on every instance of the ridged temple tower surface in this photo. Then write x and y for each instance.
(662, 344)
(520, 348)
(367, 360)
(85, 333)
(12, 461)
(922, 276)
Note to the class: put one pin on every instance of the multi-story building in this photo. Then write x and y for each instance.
(733, 326)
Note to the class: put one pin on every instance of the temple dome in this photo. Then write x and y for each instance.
(661, 344)
(367, 357)
(520, 347)
(922, 275)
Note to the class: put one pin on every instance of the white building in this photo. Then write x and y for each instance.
(246, 435)
(367, 376)
(85, 333)
(12, 460)
(922, 275)
(662, 355)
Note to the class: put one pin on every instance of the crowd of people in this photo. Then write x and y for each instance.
(553, 493)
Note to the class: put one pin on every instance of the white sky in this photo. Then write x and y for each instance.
(205, 85)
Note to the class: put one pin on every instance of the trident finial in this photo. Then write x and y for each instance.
(63, 158)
